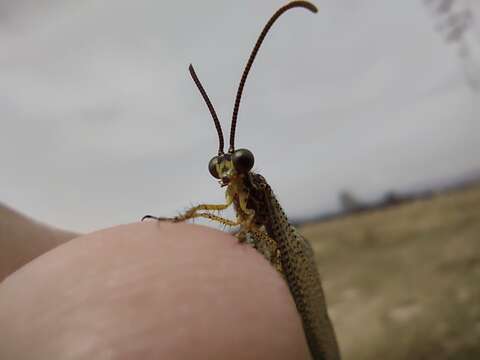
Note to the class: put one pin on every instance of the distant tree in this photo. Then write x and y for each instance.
(349, 202)
(391, 198)
(456, 22)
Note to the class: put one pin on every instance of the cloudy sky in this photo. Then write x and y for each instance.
(101, 123)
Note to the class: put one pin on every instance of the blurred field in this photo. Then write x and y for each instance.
(404, 282)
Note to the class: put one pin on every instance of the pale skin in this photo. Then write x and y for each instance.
(151, 290)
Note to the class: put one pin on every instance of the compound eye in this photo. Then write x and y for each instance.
(212, 167)
(243, 160)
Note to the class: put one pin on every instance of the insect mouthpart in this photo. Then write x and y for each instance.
(221, 167)
(231, 165)
(224, 181)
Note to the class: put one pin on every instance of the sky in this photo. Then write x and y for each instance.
(101, 122)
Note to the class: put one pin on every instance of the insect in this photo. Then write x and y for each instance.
(261, 220)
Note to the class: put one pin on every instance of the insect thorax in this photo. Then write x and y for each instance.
(248, 194)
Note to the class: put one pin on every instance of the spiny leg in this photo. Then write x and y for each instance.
(191, 213)
(219, 219)
(206, 215)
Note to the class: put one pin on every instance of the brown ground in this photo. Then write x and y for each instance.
(404, 282)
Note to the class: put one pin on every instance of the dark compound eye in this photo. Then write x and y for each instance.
(212, 167)
(243, 160)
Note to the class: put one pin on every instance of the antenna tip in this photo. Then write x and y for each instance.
(305, 4)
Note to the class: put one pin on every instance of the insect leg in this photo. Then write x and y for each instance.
(191, 213)
(206, 215)
(219, 219)
(156, 218)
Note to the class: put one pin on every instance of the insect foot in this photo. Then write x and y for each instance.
(156, 218)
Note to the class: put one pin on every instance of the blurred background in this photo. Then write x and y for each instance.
(362, 106)
(101, 122)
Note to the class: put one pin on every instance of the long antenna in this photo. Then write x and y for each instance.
(210, 107)
(293, 4)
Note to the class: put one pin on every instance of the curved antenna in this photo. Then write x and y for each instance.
(210, 107)
(293, 4)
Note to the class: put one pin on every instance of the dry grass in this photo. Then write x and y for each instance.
(404, 283)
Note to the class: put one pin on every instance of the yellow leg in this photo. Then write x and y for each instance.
(192, 212)
(219, 219)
